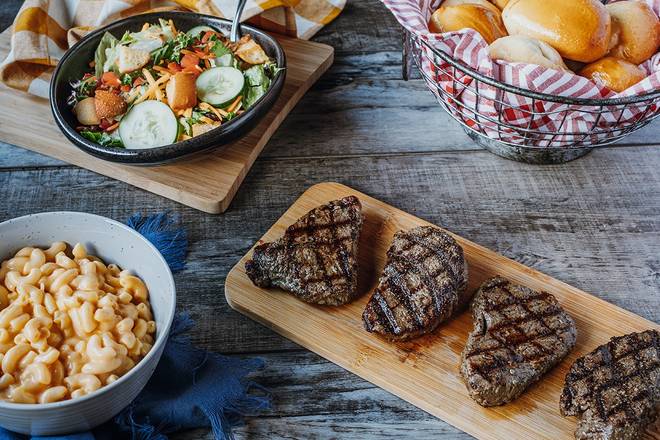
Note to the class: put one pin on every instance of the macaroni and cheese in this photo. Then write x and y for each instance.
(69, 324)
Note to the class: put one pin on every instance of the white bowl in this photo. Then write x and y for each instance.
(113, 242)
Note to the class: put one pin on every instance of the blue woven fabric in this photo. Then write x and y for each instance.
(190, 388)
(161, 230)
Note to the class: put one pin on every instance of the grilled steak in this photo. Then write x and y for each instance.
(519, 334)
(316, 259)
(615, 389)
(423, 284)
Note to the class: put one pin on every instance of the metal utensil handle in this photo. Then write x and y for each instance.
(235, 34)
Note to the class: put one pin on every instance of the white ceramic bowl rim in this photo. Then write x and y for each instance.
(160, 340)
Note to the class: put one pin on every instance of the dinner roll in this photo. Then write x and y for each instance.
(578, 29)
(638, 31)
(468, 15)
(613, 73)
(521, 49)
(485, 3)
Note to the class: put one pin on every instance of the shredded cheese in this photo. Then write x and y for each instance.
(207, 106)
(154, 86)
(161, 69)
(217, 111)
(234, 104)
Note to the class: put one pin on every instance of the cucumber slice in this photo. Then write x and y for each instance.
(148, 124)
(194, 32)
(219, 86)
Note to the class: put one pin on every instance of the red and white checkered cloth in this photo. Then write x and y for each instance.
(498, 113)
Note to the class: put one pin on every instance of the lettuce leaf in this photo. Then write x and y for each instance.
(103, 138)
(106, 47)
(256, 85)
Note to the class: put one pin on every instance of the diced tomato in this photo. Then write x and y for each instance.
(87, 76)
(189, 60)
(105, 124)
(138, 81)
(174, 67)
(111, 79)
(125, 88)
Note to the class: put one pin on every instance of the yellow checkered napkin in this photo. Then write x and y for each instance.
(44, 29)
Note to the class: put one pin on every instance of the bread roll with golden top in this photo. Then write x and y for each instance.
(468, 15)
(578, 29)
(485, 3)
(521, 49)
(614, 73)
(637, 35)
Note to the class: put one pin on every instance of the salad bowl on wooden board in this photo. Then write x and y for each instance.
(425, 371)
(208, 181)
(76, 63)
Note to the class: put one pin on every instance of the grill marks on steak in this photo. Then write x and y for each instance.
(423, 284)
(316, 259)
(519, 334)
(615, 389)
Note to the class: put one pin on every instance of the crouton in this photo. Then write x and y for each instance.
(108, 105)
(250, 52)
(198, 129)
(131, 59)
(181, 91)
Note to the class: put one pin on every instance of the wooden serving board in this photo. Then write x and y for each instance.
(207, 182)
(425, 371)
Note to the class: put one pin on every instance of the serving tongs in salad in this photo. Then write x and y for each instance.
(161, 85)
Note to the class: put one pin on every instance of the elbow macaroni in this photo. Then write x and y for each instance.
(69, 324)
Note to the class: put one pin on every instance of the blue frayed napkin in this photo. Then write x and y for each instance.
(190, 388)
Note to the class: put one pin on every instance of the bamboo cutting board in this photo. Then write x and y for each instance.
(207, 182)
(425, 371)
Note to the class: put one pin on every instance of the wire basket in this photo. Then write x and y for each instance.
(526, 141)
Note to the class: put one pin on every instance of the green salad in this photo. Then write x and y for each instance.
(161, 85)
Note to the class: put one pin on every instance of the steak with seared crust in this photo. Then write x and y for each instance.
(615, 389)
(423, 284)
(519, 334)
(316, 259)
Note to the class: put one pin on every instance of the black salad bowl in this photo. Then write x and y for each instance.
(75, 63)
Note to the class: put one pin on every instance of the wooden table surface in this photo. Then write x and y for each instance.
(593, 223)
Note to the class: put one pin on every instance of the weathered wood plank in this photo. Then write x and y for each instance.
(315, 399)
(8, 11)
(604, 241)
(362, 116)
(364, 26)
